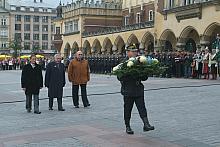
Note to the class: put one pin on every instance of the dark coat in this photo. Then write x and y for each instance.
(31, 79)
(131, 87)
(55, 79)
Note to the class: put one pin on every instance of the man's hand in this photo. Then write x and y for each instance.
(24, 89)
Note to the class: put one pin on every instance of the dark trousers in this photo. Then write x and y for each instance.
(29, 102)
(128, 105)
(75, 95)
(59, 101)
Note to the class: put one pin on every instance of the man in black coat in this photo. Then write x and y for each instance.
(31, 83)
(55, 81)
(133, 91)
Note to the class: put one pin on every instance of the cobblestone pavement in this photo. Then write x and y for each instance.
(185, 112)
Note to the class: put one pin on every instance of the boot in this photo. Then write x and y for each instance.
(128, 128)
(147, 126)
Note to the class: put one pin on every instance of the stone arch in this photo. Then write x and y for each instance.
(96, 47)
(189, 39)
(67, 50)
(210, 34)
(132, 39)
(107, 46)
(147, 42)
(75, 47)
(86, 48)
(168, 40)
(119, 45)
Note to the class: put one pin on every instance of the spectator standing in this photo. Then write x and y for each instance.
(55, 81)
(79, 75)
(31, 83)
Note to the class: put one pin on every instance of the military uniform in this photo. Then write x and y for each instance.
(133, 91)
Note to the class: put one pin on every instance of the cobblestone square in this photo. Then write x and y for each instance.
(185, 113)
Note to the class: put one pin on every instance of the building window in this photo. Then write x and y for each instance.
(26, 36)
(3, 21)
(138, 18)
(66, 27)
(45, 19)
(35, 36)
(4, 45)
(26, 27)
(126, 18)
(17, 17)
(36, 27)
(44, 10)
(27, 18)
(18, 27)
(36, 9)
(36, 19)
(17, 36)
(44, 36)
(45, 45)
(27, 45)
(57, 30)
(151, 15)
(18, 9)
(70, 27)
(188, 2)
(36, 46)
(45, 28)
(4, 33)
(76, 26)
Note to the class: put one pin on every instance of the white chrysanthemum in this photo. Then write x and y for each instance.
(143, 59)
(130, 63)
(131, 59)
(115, 68)
(154, 60)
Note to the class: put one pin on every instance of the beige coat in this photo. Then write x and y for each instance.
(78, 72)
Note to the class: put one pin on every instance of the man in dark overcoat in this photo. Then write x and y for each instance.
(133, 91)
(55, 81)
(31, 83)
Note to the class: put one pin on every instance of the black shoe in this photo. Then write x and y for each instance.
(129, 130)
(61, 109)
(50, 108)
(148, 128)
(37, 112)
(28, 110)
(87, 105)
(76, 106)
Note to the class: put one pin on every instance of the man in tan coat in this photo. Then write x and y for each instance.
(78, 74)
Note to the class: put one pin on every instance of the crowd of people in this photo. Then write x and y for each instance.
(179, 64)
(18, 63)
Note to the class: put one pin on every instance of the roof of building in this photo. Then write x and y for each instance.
(31, 3)
(45, 3)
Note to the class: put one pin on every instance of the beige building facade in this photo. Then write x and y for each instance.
(27, 23)
(32, 27)
(4, 27)
(163, 25)
(187, 25)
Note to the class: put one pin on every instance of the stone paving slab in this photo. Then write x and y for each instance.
(80, 135)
